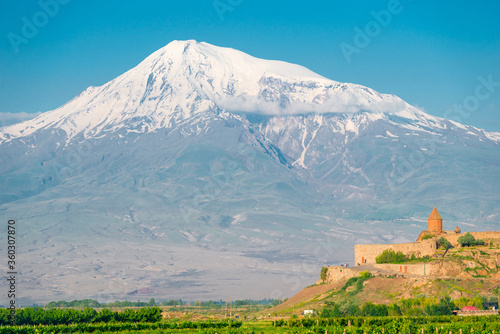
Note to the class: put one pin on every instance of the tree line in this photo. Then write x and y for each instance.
(84, 303)
(422, 306)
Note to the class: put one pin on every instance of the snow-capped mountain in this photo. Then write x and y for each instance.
(186, 78)
(204, 162)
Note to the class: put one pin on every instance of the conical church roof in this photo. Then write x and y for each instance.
(435, 215)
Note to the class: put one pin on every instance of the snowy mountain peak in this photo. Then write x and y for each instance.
(186, 78)
(226, 61)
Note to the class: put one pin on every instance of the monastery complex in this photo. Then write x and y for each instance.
(364, 255)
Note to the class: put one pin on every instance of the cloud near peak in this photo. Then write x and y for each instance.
(7, 118)
(257, 104)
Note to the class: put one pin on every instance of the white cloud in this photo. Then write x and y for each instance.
(7, 118)
(254, 104)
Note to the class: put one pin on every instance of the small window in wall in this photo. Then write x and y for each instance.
(365, 260)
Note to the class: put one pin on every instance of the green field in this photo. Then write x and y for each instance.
(348, 325)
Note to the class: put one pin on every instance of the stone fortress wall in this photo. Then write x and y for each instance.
(453, 239)
(435, 269)
(366, 254)
(335, 274)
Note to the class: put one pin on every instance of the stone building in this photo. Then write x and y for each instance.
(366, 254)
(435, 226)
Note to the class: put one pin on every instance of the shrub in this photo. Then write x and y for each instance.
(479, 242)
(331, 310)
(390, 256)
(373, 310)
(394, 309)
(323, 273)
(414, 312)
(365, 274)
(427, 236)
(446, 306)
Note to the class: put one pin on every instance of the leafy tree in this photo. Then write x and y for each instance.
(469, 240)
(394, 309)
(241, 302)
(373, 310)
(478, 303)
(414, 312)
(350, 309)
(152, 302)
(443, 242)
(171, 302)
(462, 302)
(276, 302)
(466, 240)
(409, 303)
(331, 310)
(479, 242)
(432, 309)
(447, 305)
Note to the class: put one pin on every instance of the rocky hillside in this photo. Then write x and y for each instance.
(468, 272)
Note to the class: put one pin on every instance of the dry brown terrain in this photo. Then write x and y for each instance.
(383, 290)
(316, 292)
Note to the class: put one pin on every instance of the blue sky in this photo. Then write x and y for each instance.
(433, 54)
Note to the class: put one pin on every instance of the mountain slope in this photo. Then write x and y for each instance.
(206, 172)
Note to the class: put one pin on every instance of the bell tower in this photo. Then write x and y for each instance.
(435, 222)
